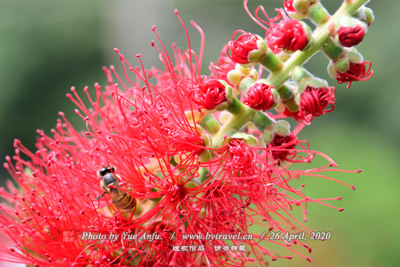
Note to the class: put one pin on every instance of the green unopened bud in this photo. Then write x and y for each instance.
(293, 104)
(303, 78)
(245, 71)
(353, 55)
(332, 70)
(300, 7)
(317, 83)
(281, 128)
(342, 64)
(247, 138)
(268, 136)
(253, 74)
(207, 140)
(257, 55)
(365, 14)
(289, 96)
(234, 76)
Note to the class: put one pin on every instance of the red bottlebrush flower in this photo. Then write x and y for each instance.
(356, 72)
(138, 129)
(351, 36)
(288, 35)
(261, 96)
(210, 94)
(313, 103)
(247, 43)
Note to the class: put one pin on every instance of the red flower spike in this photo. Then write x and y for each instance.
(351, 36)
(210, 94)
(142, 129)
(356, 72)
(261, 96)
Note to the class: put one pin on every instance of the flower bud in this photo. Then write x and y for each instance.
(261, 96)
(356, 70)
(213, 94)
(298, 9)
(240, 72)
(268, 136)
(365, 14)
(247, 138)
(248, 49)
(204, 156)
(289, 35)
(282, 147)
(350, 31)
(281, 128)
(304, 79)
(234, 76)
(342, 64)
(314, 101)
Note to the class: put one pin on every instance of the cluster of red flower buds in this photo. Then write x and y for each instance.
(187, 163)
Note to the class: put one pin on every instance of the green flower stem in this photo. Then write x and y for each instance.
(277, 78)
(318, 14)
(236, 107)
(233, 125)
(210, 124)
(262, 120)
(332, 49)
(272, 62)
(286, 92)
(299, 73)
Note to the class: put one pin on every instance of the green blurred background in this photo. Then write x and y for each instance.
(46, 46)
